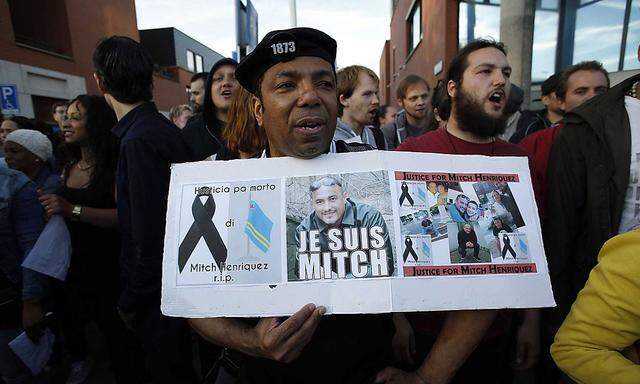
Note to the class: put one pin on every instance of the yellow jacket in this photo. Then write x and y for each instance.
(598, 341)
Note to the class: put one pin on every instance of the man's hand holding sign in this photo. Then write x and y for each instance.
(272, 338)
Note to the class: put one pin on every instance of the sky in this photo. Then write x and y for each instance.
(359, 26)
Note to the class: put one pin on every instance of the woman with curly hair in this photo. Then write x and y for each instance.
(87, 202)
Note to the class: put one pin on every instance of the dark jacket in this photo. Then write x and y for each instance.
(204, 139)
(149, 144)
(20, 226)
(586, 182)
(528, 123)
(464, 238)
(397, 132)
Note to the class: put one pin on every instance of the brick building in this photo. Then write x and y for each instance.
(542, 36)
(423, 41)
(46, 50)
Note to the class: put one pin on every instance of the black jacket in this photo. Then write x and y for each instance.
(587, 179)
(204, 139)
(464, 237)
(529, 122)
(149, 144)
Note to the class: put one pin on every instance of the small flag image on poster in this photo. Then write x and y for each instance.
(426, 250)
(422, 196)
(258, 227)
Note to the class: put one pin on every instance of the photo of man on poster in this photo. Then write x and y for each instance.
(332, 208)
(458, 209)
(467, 239)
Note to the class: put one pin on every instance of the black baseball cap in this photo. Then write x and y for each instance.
(281, 46)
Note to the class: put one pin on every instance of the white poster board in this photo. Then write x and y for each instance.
(367, 232)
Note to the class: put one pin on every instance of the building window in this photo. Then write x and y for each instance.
(478, 19)
(191, 61)
(42, 108)
(46, 29)
(545, 37)
(599, 26)
(199, 66)
(630, 60)
(414, 27)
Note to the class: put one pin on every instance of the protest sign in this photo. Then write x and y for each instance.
(397, 232)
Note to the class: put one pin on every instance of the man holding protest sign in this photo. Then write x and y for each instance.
(292, 75)
(451, 344)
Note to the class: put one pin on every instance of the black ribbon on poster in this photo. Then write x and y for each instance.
(507, 247)
(408, 250)
(405, 194)
(202, 226)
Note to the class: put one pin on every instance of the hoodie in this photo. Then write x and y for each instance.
(203, 132)
(397, 132)
(345, 133)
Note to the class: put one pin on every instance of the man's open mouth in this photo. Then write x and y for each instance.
(497, 97)
(309, 125)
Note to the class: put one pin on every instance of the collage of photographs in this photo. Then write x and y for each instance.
(478, 222)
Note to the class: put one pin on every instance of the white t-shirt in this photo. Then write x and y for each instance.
(631, 212)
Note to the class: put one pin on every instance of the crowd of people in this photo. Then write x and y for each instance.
(104, 170)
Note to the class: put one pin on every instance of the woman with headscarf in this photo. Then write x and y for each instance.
(31, 153)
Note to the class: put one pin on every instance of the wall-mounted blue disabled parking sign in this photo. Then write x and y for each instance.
(9, 99)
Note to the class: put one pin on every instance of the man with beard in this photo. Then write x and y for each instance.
(291, 74)
(358, 104)
(196, 90)
(416, 117)
(203, 131)
(478, 85)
